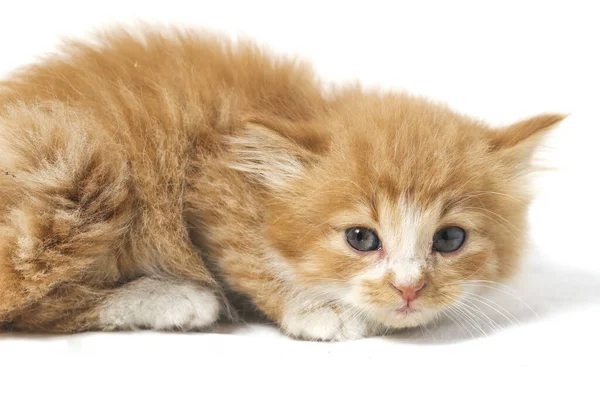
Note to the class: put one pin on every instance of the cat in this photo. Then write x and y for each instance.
(149, 176)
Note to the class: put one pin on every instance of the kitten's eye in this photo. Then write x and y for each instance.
(363, 239)
(449, 239)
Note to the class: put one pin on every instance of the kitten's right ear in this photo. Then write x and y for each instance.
(275, 154)
(516, 143)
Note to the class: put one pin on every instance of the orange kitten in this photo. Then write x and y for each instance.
(147, 178)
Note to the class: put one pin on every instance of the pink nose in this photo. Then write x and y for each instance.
(410, 292)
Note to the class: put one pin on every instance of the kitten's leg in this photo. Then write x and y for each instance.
(65, 203)
(158, 304)
(67, 212)
(146, 303)
(304, 315)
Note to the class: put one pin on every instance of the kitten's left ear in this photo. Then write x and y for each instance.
(517, 142)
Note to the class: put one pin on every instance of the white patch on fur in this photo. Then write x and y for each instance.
(406, 256)
(161, 305)
(405, 241)
(278, 265)
(406, 244)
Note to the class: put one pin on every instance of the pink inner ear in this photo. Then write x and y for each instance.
(520, 131)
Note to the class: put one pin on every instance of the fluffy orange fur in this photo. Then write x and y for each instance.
(183, 157)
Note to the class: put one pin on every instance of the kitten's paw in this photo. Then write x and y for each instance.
(161, 305)
(326, 324)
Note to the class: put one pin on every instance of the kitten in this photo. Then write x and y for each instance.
(146, 178)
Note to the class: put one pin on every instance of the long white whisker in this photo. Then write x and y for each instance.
(502, 291)
(447, 314)
(483, 192)
(493, 324)
(506, 228)
(468, 316)
(468, 304)
(485, 301)
(450, 312)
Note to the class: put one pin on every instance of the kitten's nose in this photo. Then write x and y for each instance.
(410, 292)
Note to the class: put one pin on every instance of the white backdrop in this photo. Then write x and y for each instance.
(497, 61)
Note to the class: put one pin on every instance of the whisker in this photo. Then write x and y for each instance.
(481, 283)
(468, 316)
(496, 221)
(484, 192)
(497, 215)
(387, 330)
(479, 312)
(461, 320)
(503, 291)
(457, 322)
(485, 301)
(493, 324)
(446, 314)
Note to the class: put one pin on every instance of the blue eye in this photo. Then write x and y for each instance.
(362, 239)
(449, 239)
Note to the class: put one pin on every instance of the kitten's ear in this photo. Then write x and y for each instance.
(516, 143)
(275, 154)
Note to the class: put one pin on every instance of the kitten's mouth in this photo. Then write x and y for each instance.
(403, 316)
(407, 310)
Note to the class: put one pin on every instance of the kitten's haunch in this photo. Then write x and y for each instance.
(147, 177)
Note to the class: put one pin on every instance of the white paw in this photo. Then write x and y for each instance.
(326, 324)
(161, 305)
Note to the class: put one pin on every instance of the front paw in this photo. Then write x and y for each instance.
(326, 323)
(159, 304)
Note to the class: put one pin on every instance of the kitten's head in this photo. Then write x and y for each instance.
(392, 204)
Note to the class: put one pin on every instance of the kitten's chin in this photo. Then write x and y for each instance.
(405, 319)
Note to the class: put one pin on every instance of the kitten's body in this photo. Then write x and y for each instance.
(146, 179)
